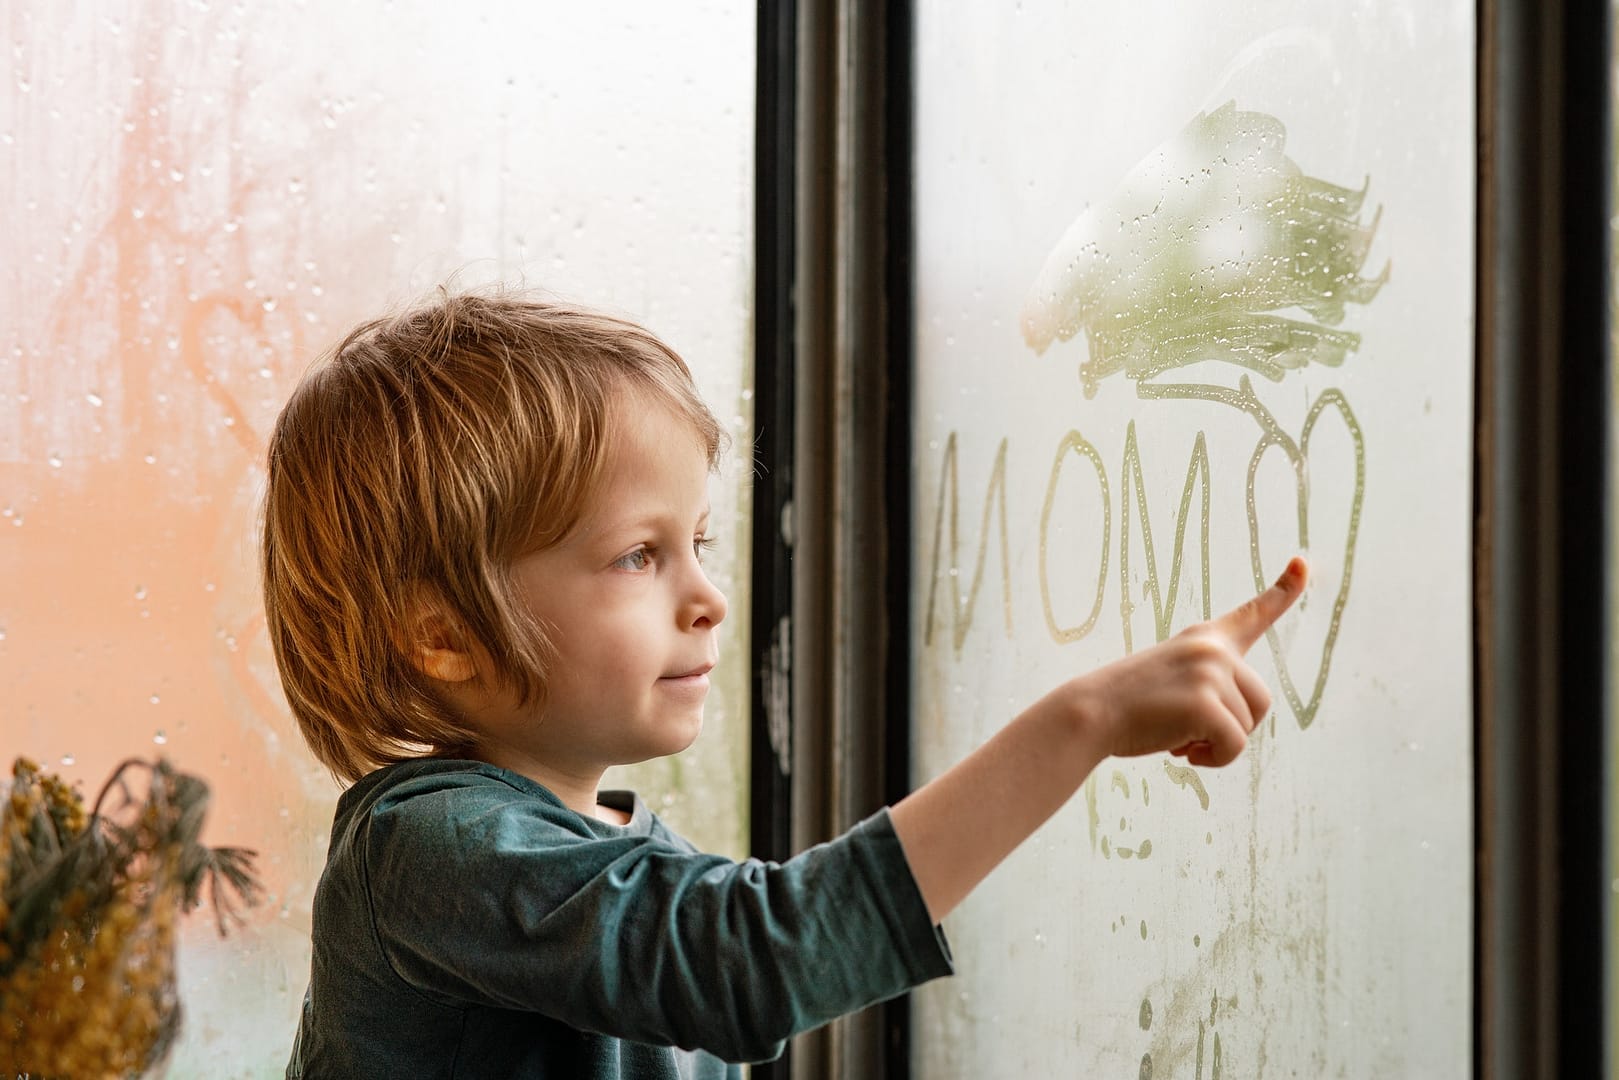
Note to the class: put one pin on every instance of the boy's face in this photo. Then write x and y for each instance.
(627, 604)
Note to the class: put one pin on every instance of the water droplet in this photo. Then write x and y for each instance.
(140, 592)
(1145, 1019)
(94, 398)
(68, 759)
(1197, 941)
(150, 459)
(154, 699)
(1143, 929)
(268, 305)
(55, 461)
(159, 737)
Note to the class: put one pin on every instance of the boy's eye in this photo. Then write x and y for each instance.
(639, 559)
(702, 544)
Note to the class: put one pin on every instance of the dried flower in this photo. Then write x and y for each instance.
(88, 905)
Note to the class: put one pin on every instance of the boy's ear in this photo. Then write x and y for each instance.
(434, 646)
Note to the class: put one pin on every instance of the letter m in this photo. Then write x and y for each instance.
(961, 608)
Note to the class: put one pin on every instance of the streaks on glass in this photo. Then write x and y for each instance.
(1203, 1031)
(1184, 776)
(1298, 456)
(1164, 310)
(1209, 236)
(1297, 452)
(1163, 590)
(1109, 845)
(1197, 475)
(961, 610)
(1171, 1040)
(1076, 443)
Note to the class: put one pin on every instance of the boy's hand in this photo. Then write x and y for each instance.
(1194, 694)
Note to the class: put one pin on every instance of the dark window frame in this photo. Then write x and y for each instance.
(832, 495)
(1542, 420)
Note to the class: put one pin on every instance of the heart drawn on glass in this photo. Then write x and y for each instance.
(1298, 455)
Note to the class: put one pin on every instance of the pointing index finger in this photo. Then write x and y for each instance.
(1247, 623)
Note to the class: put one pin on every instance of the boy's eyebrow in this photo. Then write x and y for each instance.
(644, 521)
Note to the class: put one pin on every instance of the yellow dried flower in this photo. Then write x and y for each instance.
(88, 906)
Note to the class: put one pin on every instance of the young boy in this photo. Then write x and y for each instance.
(483, 579)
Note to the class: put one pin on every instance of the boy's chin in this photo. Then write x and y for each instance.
(675, 737)
(687, 734)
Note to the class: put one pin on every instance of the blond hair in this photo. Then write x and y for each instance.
(414, 463)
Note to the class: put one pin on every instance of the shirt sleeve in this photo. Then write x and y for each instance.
(484, 896)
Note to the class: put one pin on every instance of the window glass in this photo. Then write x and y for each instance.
(1194, 292)
(203, 196)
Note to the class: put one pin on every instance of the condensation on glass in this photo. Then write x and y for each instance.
(200, 198)
(1194, 293)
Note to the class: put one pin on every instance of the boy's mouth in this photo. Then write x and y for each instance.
(692, 673)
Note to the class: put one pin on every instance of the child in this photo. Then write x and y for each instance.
(483, 580)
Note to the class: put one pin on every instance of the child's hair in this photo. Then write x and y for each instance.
(412, 465)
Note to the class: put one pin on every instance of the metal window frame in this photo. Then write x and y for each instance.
(1541, 557)
(832, 497)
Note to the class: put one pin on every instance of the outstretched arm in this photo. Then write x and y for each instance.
(1193, 695)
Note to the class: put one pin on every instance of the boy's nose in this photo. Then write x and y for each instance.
(706, 605)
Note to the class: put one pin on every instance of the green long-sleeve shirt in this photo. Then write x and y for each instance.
(468, 924)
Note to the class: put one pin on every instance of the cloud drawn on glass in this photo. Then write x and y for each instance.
(1205, 245)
